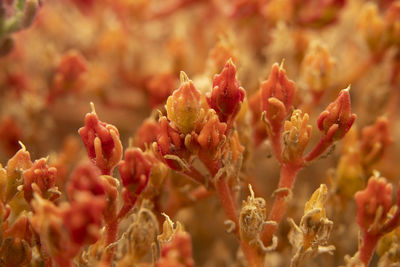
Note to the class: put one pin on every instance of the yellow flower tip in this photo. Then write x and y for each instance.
(282, 64)
(183, 77)
(22, 145)
(92, 107)
(251, 191)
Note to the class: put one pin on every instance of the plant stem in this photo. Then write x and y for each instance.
(254, 258)
(227, 202)
(111, 237)
(274, 135)
(279, 207)
(368, 246)
(320, 148)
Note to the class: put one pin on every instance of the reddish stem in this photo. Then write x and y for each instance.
(127, 207)
(368, 247)
(225, 196)
(274, 136)
(279, 207)
(195, 175)
(319, 149)
(111, 237)
(253, 257)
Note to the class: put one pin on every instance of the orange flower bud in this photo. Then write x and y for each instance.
(336, 120)
(184, 106)
(212, 135)
(377, 195)
(15, 167)
(135, 170)
(371, 25)
(64, 230)
(392, 21)
(102, 142)
(85, 178)
(375, 139)
(170, 142)
(83, 219)
(277, 96)
(68, 75)
(227, 95)
(41, 179)
(147, 133)
(317, 69)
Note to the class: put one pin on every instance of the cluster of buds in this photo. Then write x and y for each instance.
(135, 172)
(375, 140)
(317, 69)
(310, 238)
(102, 142)
(334, 122)
(277, 95)
(380, 32)
(69, 75)
(190, 130)
(65, 229)
(376, 214)
(15, 246)
(15, 16)
(227, 95)
(40, 179)
(13, 174)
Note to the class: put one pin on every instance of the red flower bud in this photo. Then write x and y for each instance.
(212, 136)
(375, 139)
(20, 162)
(135, 170)
(68, 76)
(147, 134)
(336, 120)
(41, 179)
(64, 230)
(227, 95)
(102, 142)
(83, 219)
(377, 195)
(85, 178)
(170, 143)
(278, 87)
